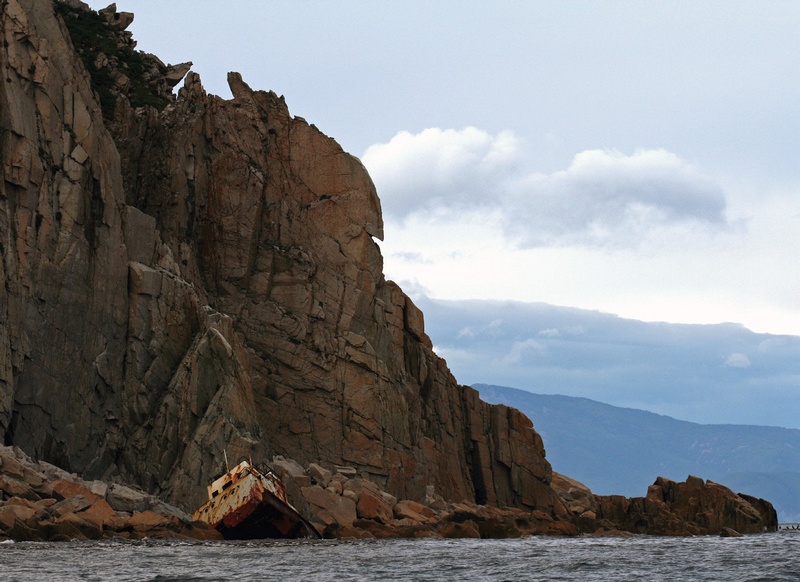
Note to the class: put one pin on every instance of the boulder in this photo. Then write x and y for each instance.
(147, 520)
(71, 504)
(335, 487)
(124, 498)
(376, 529)
(465, 529)
(561, 528)
(413, 510)
(119, 20)
(495, 528)
(175, 73)
(20, 520)
(433, 499)
(375, 507)
(338, 479)
(319, 475)
(330, 508)
(729, 533)
(291, 469)
(53, 473)
(64, 489)
(199, 530)
(102, 515)
(346, 532)
(163, 508)
(19, 470)
(11, 513)
(577, 497)
(70, 526)
(12, 487)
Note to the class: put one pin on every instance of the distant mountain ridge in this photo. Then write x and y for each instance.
(622, 450)
(721, 373)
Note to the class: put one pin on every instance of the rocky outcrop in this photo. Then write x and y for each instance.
(693, 507)
(40, 502)
(116, 70)
(346, 506)
(200, 275)
(342, 505)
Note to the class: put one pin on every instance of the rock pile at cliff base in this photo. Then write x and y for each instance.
(40, 502)
(343, 505)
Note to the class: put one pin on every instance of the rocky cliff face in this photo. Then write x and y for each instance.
(205, 278)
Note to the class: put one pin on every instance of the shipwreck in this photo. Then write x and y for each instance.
(248, 503)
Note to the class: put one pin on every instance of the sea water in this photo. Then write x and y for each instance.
(773, 556)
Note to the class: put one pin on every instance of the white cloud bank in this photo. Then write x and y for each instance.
(646, 235)
(603, 198)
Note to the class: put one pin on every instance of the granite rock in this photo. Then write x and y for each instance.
(73, 511)
(692, 507)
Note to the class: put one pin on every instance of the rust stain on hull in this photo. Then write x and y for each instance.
(246, 503)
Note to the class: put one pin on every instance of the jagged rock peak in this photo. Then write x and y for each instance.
(108, 53)
(238, 87)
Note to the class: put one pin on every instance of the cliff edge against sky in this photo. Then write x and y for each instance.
(204, 277)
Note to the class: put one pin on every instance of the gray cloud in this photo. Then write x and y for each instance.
(606, 195)
(672, 369)
(603, 197)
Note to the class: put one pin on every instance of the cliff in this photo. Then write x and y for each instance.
(187, 276)
(184, 276)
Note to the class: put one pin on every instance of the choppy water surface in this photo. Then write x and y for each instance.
(763, 557)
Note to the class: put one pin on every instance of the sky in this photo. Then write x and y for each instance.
(630, 158)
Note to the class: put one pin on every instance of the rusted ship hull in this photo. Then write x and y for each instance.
(248, 504)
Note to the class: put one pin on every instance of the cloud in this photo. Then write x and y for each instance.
(549, 332)
(737, 360)
(466, 332)
(412, 257)
(519, 350)
(553, 332)
(604, 197)
(604, 194)
(440, 168)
